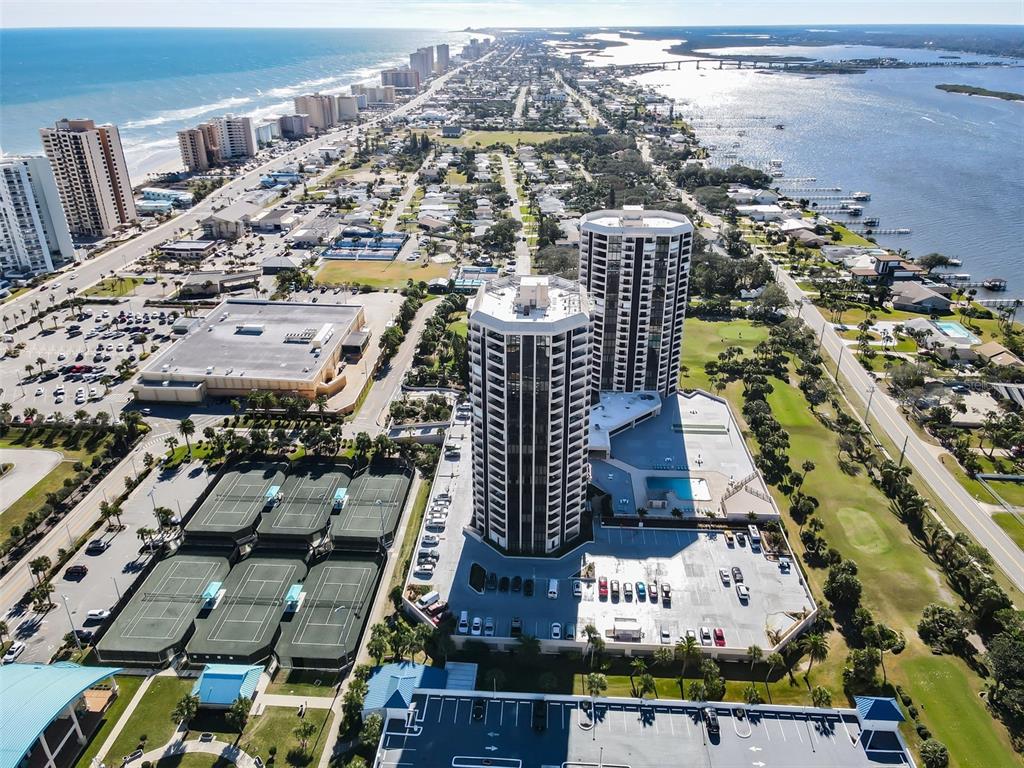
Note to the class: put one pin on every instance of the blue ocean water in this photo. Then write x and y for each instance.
(153, 82)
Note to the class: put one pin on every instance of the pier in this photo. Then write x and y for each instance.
(873, 231)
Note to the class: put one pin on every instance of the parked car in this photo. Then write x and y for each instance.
(489, 627)
(528, 587)
(719, 637)
(615, 589)
(627, 589)
(666, 636)
(503, 584)
(492, 581)
(577, 588)
(477, 627)
(737, 574)
(76, 572)
(17, 648)
(517, 583)
(743, 592)
(97, 546)
(641, 591)
(724, 574)
(97, 614)
(556, 631)
(705, 636)
(602, 587)
(479, 707)
(710, 718)
(517, 626)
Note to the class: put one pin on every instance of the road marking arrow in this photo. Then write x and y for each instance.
(755, 749)
(491, 749)
(492, 734)
(759, 764)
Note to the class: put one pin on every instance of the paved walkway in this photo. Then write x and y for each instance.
(229, 752)
(125, 717)
(289, 700)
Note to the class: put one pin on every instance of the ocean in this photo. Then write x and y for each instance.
(153, 82)
(947, 166)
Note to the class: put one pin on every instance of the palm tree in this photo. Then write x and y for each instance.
(756, 654)
(816, 647)
(187, 428)
(4, 631)
(39, 566)
(687, 650)
(646, 685)
(773, 661)
(144, 534)
(186, 709)
(636, 667)
(596, 684)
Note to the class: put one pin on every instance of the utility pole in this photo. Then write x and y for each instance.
(903, 450)
(72, 623)
(867, 411)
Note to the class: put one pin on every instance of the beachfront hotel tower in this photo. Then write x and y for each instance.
(91, 174)
(529, 344)
(34, 236)
(635, 265)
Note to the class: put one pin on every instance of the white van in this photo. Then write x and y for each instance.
(552, 589)
(428, 599)
(464, 623)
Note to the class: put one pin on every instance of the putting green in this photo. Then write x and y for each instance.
(736, 331)
(862, 531)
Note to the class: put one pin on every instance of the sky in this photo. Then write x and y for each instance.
(458, 14)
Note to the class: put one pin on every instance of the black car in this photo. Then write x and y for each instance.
(85, 635)
(540, 715)
(492, 581)
(737, 574)
(710, 718)
(528, 587)
(517, 626)
(503, 584)
(76, 572)
(517, 583)
(97, 546)
(479, 708)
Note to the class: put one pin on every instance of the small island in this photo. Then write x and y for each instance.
(973, 90)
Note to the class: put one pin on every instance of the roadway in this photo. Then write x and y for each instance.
(522, 248)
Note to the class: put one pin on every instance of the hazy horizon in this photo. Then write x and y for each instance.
(459, 14)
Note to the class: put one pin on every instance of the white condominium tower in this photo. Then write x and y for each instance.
(236, 137)
(422, 61)
(34, 236)
(634, 265)
(529, 342)
(92, 176)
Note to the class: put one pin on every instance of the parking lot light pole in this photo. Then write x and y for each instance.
(71, 622)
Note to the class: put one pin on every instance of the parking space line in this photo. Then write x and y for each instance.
(797, 727)
(781, 729)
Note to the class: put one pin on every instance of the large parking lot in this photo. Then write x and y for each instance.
(688, 560)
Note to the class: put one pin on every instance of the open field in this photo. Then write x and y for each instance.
(274, 729)
(151, 718)
(114, 287)
(192, 760)
(303, 682)
(380, 274)
(127, 686)
(488, 138)
(72, 450)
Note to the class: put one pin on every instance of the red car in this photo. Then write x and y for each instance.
(602, 588)
(719, 636)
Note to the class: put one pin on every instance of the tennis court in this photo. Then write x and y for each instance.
(306, 499)
(373, 505)
(325, 630)
(237, 499)
(243, 625)
(159, 617)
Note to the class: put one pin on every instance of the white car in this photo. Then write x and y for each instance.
(97, 614)
(17, 648)
(724, 574)
(705, 636)
(477, 627)
(430, 539)
(62, 356)
(489, 627)
(39, 391)
(743, 592)
(556, 631)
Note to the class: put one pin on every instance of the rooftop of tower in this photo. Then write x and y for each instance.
(531, 300)
(635, 217)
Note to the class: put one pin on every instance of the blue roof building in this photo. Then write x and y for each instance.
(38, 702)
(220, 685)
(878, 709)
(391, 686)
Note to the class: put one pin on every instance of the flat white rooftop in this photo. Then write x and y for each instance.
(616, 410)
(531, 300)
(635, 218)
(258, 339)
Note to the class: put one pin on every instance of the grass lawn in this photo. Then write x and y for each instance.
(1012, 525)
(412, 532)
(181, 454)
(1009, 491)
(380, 274)
(73, 451)
(973, 487)
(127, 686)
(303, 682)
(859, 524)
(704, 340)
(455, 177)
(274, 729)
(855, 315)
(152, 718)
(850, 238)
(114, 287)
(457, 323)
(487, 138)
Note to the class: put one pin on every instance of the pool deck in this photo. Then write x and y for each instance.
(694, 437)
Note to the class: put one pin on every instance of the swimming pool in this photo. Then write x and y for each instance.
(683, 488)
(956, 331)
